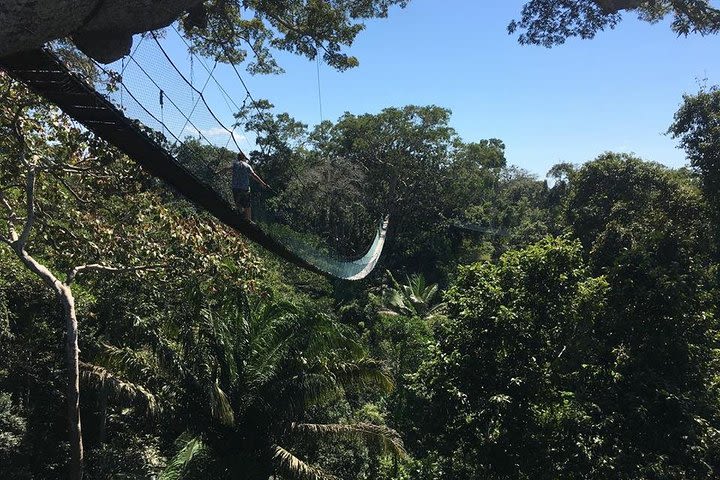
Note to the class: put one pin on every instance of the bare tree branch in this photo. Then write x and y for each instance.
(74, 169)
(300, 31)
(30, 207)
(100, 267)
(69, 188)
(11, 217)
(64, 230)
(6, 204)
(17, 130)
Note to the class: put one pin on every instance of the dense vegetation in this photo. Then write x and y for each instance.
(577, 338)
(516, 327)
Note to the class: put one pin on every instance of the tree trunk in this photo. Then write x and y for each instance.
(103, 29)
(103, 415)
(67, 300)
(73, 392)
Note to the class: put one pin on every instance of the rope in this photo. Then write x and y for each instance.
(187, 117)
(122, 69)
(135, 99)
(260, 113)
(192, 92)
(197, 102)
(142, 37)
(162, 111)
(123, 66)
(202, 97)
(169, 100)
(265, 123)
(148, 112)
(225, 95)
(317, 64)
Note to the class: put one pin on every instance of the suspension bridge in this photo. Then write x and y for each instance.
(166, 124)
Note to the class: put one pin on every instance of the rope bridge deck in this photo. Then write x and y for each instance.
(46, 74)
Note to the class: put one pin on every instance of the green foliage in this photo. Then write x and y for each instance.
(549, 23)
(618, 201)
(507, 357)
(83, 215)
(247, 373)
(13, 427)
(697, 125)
(414, 299)
(590, 355)
(647, 232)
(189, 448)
(553, 366)
(387, 439)
(304, 28)
(335, 181)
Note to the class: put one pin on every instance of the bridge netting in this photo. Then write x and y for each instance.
(181, 104)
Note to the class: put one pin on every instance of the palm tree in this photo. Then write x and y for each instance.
(242, 380)
(414, 299)
(238, 377)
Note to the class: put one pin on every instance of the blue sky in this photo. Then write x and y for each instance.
(570, 103)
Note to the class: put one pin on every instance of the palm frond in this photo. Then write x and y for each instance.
(221, 337)
(387, 439)
(415, 298)
(272, 329)
(121, 390)
(429, 293)
(394, 282)
(366, 372)
(127, 360)
(167, 357)
(326, 380)
(330, 335)
(190, 448)
(318, 388)
(288, 465)
(265, 357)
(221, 409)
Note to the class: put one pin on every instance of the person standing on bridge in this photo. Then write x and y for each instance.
(241, 173)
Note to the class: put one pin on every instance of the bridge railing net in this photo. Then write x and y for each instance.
(183, 106)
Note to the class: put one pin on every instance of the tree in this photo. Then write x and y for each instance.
(620, 205)
(473, 176)
(246, 377)
(42, 142)
(501, 394)
(404, 153)
(546, 369)
(316, 191)
(83, 208)
(549, 22)
(697, 125)
(104, 30)
(644, 229)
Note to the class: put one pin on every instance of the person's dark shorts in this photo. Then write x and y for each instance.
(242, 198)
